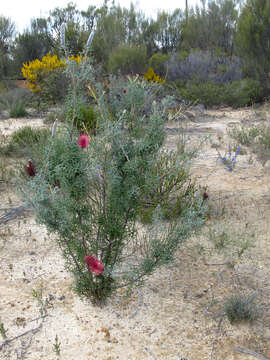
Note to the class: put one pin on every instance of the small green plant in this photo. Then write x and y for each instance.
(243, 135)
(14, 101)
(220, 241)
(24, 140)
(42, 303)
(238, 308)
(17, 109)
(56, 346)
(3, 331)
(128, 60)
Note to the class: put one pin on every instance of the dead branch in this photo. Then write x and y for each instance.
(32, 331)
(13, 214)
(249, 352)
(214, 338)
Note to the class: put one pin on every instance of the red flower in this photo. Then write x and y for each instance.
(83, 141)
(93, 264)
(205, 196)
(30, 168)
(124, 91)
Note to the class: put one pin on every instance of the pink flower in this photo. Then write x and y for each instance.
(83, 141)
(93, 264)
(30, 168)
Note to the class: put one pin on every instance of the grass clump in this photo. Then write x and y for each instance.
(17, 109)
(255, 137)
(24, 140)
(245, 136)
(15, 101)
(238, 308)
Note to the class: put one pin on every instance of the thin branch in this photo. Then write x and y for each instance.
(139, 305)
(33, 331)
(40, 317)
(249, 352)
(214, 338)
(218, 264)
(252, 297)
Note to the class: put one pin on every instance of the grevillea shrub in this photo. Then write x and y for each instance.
(89, 191)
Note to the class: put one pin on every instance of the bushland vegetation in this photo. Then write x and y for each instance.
(215, 53)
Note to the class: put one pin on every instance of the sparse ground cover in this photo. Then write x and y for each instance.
(184, 309)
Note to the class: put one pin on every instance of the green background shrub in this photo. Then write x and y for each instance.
(128, 60)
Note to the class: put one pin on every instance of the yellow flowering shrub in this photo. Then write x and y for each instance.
(36, 71)
(151, 76)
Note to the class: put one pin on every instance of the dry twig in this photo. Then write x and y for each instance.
(214, 338)
(249, 352)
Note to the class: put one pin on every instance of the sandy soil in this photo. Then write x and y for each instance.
(178, 313)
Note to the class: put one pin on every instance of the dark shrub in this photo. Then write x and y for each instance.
(236, 94)
(158, 63)
(128, 60)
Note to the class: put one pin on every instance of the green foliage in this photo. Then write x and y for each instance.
(2, 87)
(252, 38)
(184, 54)
(229, 241)
(7, 30)
(243, 92)
(29, 135)
(85, 118)
(3, 331)
(14, 101)
(211, 27)
(168, 32)
(245, 136)
(158, 63)
(91, 198)
(256, 137)
(128, 60)
(56, 346)
(173, 190)
(24, 140)
(208, 93)
(238, 308)
(29, 46)
(17, 109)
(236, 94)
